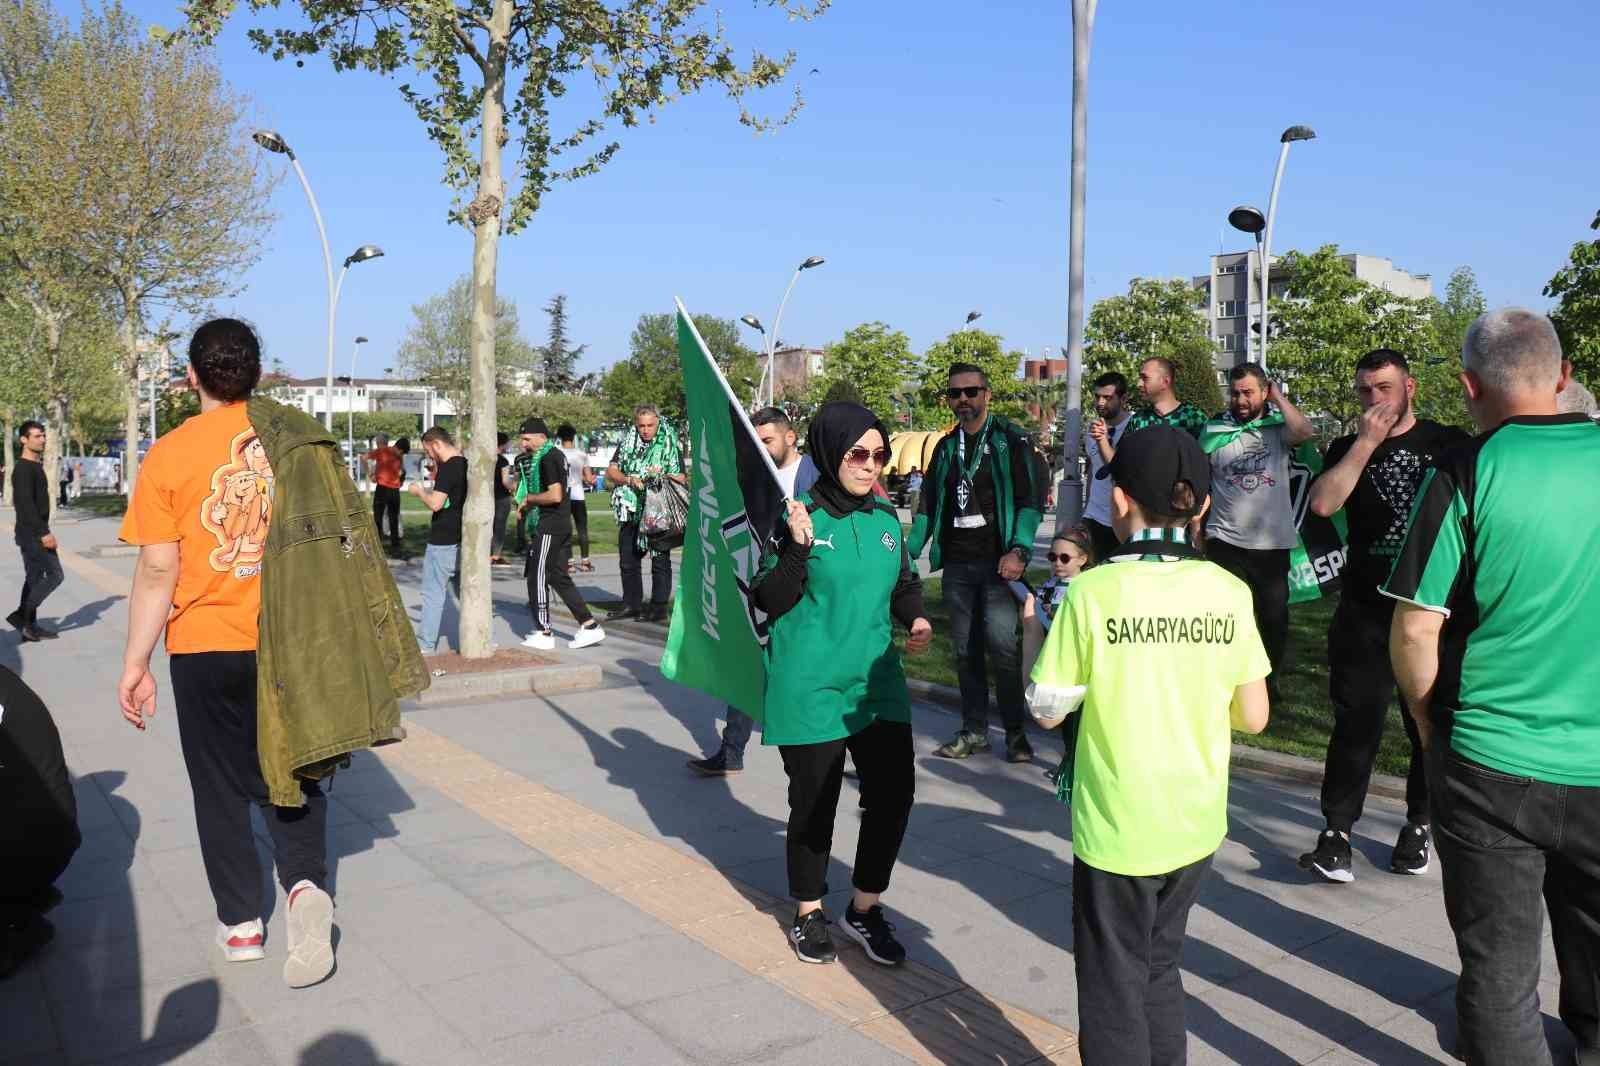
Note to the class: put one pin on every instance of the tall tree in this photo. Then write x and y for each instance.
(876, 360)
(1007, 395)
(162, 195)
(634, 57)
(1439, 395)
(1576, 289)
(1328, 320)
(1152, 318)
(558, 359)
(437, 347)
(652, 375)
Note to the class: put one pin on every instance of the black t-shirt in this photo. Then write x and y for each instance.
(500, 464)
(41, 811)
(1380, 504)
(555, 518)
(451, 479)
(966, 543)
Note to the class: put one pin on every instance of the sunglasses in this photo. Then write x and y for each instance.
(1064, 557)
(971, 392)
(859, 456)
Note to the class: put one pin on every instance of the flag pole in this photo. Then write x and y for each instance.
(727, 392)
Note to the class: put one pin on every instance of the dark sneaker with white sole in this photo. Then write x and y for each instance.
(1331, 860)
(874, 933)
(1412, 851)
(809, 937)
(962, 745)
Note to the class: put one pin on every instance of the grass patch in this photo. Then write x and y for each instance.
(416, 518)
(100, 506)
(1301, 721)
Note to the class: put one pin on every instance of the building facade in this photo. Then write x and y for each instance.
(1233, 306)
(364, 396)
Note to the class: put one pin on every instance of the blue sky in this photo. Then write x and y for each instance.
(930, 168)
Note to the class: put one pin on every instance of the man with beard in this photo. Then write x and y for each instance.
(980, 510)
(1110, 403)
(1251, 528)
(1373, 474)
(1158, 384)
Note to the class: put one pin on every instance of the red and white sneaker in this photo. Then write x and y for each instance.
(310, 935)
(242, 942)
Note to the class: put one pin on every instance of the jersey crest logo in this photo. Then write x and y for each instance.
(888, 541)
(819, 542)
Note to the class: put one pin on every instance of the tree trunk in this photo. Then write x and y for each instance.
(1069, 495)
(55, 408)
(477, 604)
(130, 419)
(10, 419)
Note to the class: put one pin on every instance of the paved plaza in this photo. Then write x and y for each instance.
(540, 880)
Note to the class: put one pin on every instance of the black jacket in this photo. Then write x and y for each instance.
(30, 495)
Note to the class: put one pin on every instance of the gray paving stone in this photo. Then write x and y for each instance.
(535, 884)
(594, 921)
(501, 1003)
(753, 1022)
(25, 1009)
(467, 856)
(154, 1014)
(630, 974)
(606, 1039)
(324, 1029)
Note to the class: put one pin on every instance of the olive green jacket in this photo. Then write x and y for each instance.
(336, 651)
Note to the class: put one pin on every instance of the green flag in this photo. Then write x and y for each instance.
(1318, 558)
(717, 640)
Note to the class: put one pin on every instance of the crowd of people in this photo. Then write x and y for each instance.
(1158, 631)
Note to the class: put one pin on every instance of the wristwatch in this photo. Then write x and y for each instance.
(1022, 554)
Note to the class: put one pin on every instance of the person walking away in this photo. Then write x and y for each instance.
(1497, 607)
(388, 471)
(1157, 382)
(980, 511)
(834, 678)
(65, 482)
(1100, 444)
(796, 473)
(1158, 653)
(914, 490)
(76, 488)
(544, 486)
(502, 498)
(39, 832)
(649, 451)
(1374, 475)
(200, 515)
(580, 479)
(1251, 528)
(30, 497)
(441, 561)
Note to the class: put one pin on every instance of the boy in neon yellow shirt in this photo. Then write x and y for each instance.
(1160, 651)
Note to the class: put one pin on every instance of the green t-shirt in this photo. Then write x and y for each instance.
(1186, 416)
(1157, 649)
(1502, 540)
(832, 667)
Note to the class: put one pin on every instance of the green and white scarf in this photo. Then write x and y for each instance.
(1223, 430)
(635, 458)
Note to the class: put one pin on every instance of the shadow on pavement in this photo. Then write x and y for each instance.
(633, 760)
(342, 1049)
(86, 615)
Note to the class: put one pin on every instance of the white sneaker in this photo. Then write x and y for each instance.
(242, 942)
(587, 637)
(540, 641)
(310, 935)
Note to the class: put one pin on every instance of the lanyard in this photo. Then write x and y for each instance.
(1157, 542)
(961, 450)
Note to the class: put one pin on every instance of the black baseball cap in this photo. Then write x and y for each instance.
(1150, 463)
(535, 425)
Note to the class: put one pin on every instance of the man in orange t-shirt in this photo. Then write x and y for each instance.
(388, 471)
(200, 515)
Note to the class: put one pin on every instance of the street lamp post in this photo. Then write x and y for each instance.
(769, 376)
(1250, 221)
(1069, 498)
(273, 141)
(350, 409)
(755, 323)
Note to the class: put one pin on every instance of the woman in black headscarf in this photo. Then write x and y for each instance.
(834, 680)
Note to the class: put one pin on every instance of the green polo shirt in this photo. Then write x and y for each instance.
(1503, 539)
(1156, 649)
(832, 667)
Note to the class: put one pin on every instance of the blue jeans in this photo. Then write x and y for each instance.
(735, 735)
(983, 629)
(1504, 842)
(439, 564)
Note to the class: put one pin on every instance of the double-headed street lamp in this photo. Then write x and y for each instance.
(1249, 220)
(273, 141)
(769, 374)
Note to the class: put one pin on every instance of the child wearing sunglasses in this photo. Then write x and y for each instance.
(1071, 553)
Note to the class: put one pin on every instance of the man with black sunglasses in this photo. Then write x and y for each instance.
(980, 509)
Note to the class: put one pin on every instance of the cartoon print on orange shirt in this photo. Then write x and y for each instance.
(239, 510)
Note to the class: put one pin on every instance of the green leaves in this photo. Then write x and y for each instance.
(1576, 288)
(1154, 318)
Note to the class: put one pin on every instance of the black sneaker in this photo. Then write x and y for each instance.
(809, 936)
(43, 632)
(622, 613)
(1412, 851)
(719, 765)
(15, 620)
(1331, 860)
(1018, 749)
(963, 745)
(874, 933)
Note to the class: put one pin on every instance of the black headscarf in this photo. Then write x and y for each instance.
(834, 431)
